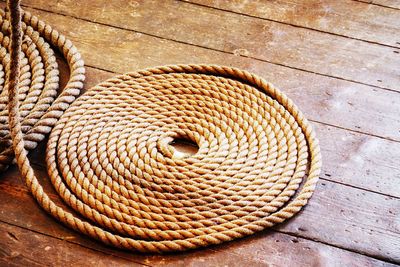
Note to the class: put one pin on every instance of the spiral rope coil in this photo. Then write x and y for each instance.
(39, 82)
(109, 157)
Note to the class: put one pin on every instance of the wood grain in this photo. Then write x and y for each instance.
(331, 101)
(360, 160)
(267, 247)
(343, 17)
(21, 247)
(269, 41)
(394, 4)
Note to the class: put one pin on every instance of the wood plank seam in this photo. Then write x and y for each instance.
(344, 248)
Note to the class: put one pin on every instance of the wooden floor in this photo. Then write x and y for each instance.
(338, 60)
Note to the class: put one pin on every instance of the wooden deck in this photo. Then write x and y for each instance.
(338, 60)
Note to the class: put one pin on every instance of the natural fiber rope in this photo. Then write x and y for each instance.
(39, 82)
(109, 157)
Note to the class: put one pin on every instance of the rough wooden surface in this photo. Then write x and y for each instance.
(257, 250)
(338, 60)
(393, 4)
(22, 247)
(267, 41)
(345, 18)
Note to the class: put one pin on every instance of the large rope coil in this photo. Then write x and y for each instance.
(110, 158)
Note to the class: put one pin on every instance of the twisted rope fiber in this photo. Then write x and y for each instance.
(38, 82)
(109, 156)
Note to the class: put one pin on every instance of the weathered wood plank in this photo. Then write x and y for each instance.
(344, 17)
(332, 101)
(21, 247)
(269, 41)
(359, 160)
(351, 218)
(268, 247)
(395, 4)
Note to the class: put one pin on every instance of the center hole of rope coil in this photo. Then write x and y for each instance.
(183, 147)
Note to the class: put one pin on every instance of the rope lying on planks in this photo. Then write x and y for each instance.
(38, 82)
(110, 160)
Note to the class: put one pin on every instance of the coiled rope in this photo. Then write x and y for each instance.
(109, 157)
(38, 82)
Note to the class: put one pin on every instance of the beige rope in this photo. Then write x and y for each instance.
(110, 160)
(39, 82)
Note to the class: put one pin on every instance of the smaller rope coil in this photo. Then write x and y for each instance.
(39, 81)
(109, 157)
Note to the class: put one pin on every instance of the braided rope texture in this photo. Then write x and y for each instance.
(38, 82)
(110, 157)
